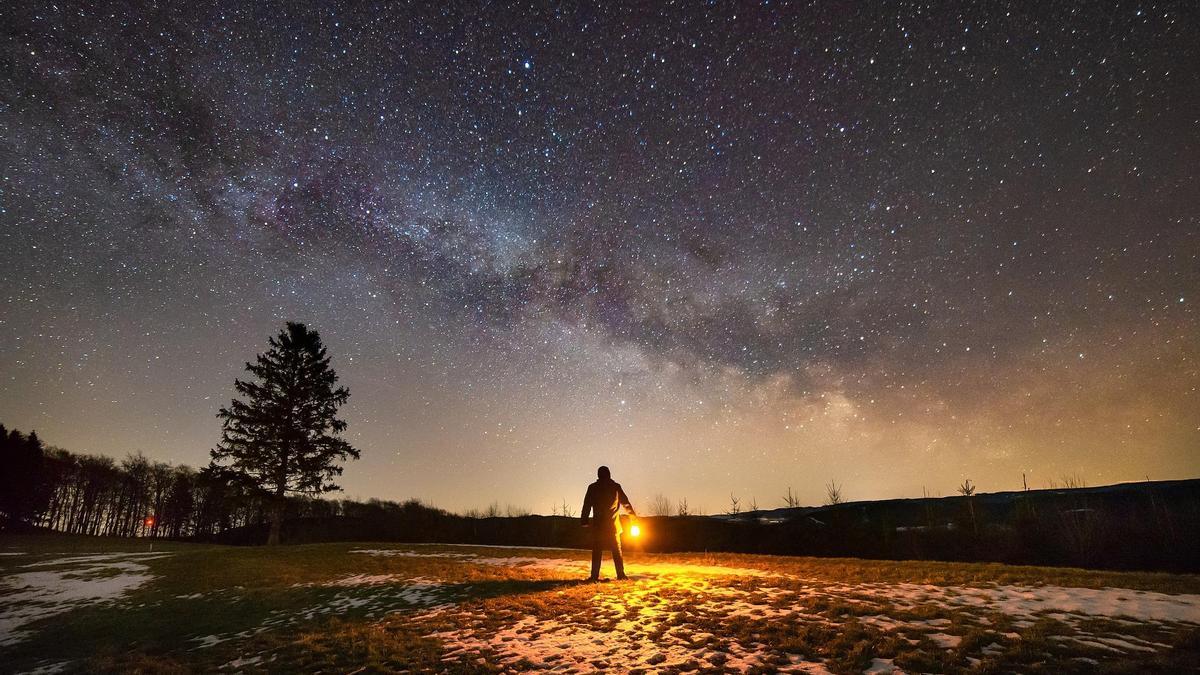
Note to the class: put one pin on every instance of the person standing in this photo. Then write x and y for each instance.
(605, 497)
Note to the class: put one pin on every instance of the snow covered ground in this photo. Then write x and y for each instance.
(529, 609)
(47, 587)
(671, 615)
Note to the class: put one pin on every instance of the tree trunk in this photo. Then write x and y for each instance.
(276, 521)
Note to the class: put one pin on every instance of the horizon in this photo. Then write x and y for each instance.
(1063, 482)
(890, 249)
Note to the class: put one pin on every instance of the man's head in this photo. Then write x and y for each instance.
(603, 474)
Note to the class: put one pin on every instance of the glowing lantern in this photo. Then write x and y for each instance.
(150, 521)
(635, 531)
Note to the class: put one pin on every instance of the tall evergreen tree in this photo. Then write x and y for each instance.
(284, 437)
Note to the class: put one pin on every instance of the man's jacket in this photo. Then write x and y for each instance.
(606, 497)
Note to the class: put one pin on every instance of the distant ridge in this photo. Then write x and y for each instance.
(990, 498)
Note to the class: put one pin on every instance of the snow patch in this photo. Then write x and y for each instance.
(397, 553)
(1027, 601)
(356, 580)
(243, 661)
(369, 595)
(26, 597)
(49, 668)
(944, 640)
(882, 666)
(572, 648)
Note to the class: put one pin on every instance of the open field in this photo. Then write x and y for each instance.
(77, 604)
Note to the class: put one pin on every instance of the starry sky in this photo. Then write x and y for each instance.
(720, 247)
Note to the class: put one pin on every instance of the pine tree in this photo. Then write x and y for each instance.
(283, 438)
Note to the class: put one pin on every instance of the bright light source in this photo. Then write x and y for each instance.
(635, 531)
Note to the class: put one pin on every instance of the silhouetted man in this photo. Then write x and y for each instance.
(606, 498)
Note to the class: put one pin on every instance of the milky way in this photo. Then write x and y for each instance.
(724, 248)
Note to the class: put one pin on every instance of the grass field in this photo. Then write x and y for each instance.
(94, 605)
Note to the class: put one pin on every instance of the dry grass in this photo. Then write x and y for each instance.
(327, 608)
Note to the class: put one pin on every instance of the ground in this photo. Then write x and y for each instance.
(94, 605)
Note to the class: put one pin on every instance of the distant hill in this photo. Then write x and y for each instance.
(990, 500)
(1147, 525)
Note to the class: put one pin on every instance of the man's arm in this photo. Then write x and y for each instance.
(587, 506)
(625, 501)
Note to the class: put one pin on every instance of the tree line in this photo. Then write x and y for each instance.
(52, 488)
(280, 448)
(56, 489)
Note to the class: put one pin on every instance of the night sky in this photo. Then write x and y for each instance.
(719, 247)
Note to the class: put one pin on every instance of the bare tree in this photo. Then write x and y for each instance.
(660, 506)
(928, 511)
(968, 490)
(159, 487)
(753, 504)
(682, 508)
(790, 500)
(735, 505)
(1073, 481)
(516, 511)
(833, 493)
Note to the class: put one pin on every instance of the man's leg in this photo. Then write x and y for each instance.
(618, 561)
(596, 554)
